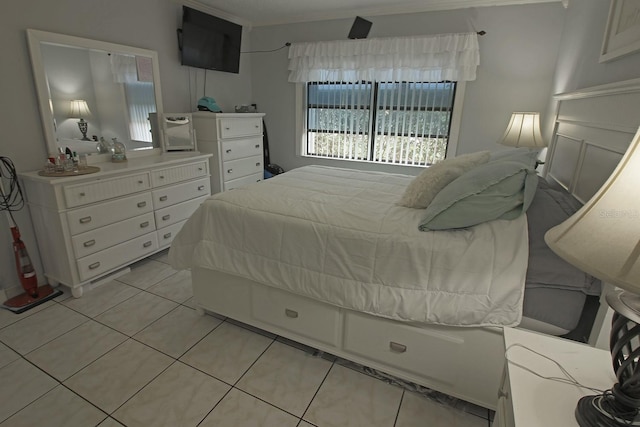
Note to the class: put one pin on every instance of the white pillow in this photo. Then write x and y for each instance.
(424, 187)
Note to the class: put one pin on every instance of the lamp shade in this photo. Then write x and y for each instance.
(78, 109)
(523, 130)
(603, 237)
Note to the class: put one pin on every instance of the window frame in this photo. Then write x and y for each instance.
(302, 127)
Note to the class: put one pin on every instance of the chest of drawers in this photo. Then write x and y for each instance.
(90, 226)
(235, 142)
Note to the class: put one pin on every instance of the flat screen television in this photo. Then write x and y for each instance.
(209, 42)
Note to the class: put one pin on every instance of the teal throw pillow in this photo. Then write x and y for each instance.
(501, 189)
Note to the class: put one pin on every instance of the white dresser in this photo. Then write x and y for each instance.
(235, 141)
(90, 226)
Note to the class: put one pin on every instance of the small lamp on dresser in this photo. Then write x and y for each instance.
(78, 109)
(523, 131)
(603, 239)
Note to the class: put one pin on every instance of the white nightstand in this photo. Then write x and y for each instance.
(528, 400)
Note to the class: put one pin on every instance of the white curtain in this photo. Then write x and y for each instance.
(435, 58)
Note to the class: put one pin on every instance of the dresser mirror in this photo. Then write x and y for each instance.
(92, 92)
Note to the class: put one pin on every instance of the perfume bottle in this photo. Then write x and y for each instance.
(103, 146)
(119, 151)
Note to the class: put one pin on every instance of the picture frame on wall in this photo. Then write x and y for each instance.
(622, 34)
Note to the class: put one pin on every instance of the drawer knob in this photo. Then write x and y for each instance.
(144, 224)
(200, 187)
(142, 204)
(258, 164)
(85, 220)
(89, 243)
(94, 265)
(257, 145)
(229, 170)
(163, 198)
(166, 217)
(147, 244)
(228, 150)
(291, 313)
(166, 236)
(397, 348)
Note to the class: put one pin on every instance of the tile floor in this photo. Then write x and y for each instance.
(133, 352)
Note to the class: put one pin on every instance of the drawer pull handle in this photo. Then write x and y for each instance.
(228, 150)
(257, 126)
(144, 224)
(257, 145)
(200, 169)
(82, 194)
(142, 204)
(398, 348)
(85, 220)
(147, 244)
(258, 180)
(227, 128)
(94, 265)
(229, 170)
(161, 176)
(166, 236)
(258, 164)
(166, 217)
(140, 181)
(291, 313)
(89, 243)
(163, 198)
(201, 187)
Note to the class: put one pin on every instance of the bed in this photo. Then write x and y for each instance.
(257, 266)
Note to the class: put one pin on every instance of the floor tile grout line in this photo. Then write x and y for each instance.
(317, 390)
(399, 407)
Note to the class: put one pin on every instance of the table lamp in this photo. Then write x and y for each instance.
(523, 131)
(603, 239)
(78, 109)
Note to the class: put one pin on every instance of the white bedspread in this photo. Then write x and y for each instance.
(337, 236)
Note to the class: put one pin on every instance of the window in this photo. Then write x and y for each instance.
(398, 123)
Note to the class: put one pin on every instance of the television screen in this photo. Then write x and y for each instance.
(210, 42)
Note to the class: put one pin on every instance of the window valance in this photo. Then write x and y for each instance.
(431, 58)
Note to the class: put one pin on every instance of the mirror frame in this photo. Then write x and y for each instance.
(36, 37)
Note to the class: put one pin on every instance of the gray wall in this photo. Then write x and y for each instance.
(517, 55)
(149, 24)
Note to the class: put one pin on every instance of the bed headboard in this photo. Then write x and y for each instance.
(592, 131)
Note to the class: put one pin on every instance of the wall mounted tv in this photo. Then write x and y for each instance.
(209, 42)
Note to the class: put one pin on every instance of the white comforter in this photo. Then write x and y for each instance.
(337, 236)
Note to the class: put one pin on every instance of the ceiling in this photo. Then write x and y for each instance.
(273, 12)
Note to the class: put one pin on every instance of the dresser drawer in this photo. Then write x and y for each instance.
(239, 148)
(96, 240)
(91, 192)
(175, 174)
(425, 353)
(92, 217)
(245, 180)
(296, 314)
(167, 234)
(234, 169)
(116, 256)
(237, 127)
(179, 193)
(176, 213)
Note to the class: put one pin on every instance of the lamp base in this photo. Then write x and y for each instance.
(602, 411)
(619, 406)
